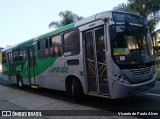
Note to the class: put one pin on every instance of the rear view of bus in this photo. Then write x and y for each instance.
(132, 64)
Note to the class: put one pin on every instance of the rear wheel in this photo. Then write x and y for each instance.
(20, 82)
(77, 90)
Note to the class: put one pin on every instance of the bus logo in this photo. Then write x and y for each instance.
(57, 69)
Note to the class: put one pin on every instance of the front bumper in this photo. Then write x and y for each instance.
(121, 90)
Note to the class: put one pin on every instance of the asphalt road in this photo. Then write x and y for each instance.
(45, 99)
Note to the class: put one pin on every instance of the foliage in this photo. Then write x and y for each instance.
(145, 8)
(67, 18)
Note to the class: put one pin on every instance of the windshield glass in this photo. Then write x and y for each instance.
(130, 44)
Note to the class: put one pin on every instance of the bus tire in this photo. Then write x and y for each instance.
(20, 82)
(69, 88)
(77, 90)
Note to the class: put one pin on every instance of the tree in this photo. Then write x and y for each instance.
(145, 8)
(122, 7)
(67, 18)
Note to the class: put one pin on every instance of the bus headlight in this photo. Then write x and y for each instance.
(121, 78)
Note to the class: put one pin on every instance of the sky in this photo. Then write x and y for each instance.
(21, 20)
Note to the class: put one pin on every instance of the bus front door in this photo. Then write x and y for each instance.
(9, 65)
(96, 61)
(31, 64)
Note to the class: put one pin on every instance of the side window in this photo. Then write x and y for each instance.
(10, 57)
(43, 49)
(22, 53)
(4, 58)
(55, 46)
(17, 52)
(71, 43)
(15, 55)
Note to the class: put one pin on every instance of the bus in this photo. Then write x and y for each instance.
(109, 54)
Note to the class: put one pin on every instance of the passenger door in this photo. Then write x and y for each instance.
(31, 64)
(95, 57)
(9, 57)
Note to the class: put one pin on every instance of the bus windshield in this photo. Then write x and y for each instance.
(130, 44)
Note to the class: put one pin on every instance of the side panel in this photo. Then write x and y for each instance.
(11, 69)
(5, 73)
(51, 72)
(54, 77)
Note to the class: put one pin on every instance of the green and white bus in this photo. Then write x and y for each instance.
(109, 54)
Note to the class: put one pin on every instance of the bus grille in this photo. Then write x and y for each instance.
(140, 71)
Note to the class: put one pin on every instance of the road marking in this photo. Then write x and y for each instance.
(153, 94)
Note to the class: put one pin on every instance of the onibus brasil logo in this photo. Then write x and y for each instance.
(62, 69)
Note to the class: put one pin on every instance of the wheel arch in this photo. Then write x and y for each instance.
(69, 80)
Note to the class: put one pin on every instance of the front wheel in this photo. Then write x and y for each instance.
(77, 90)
